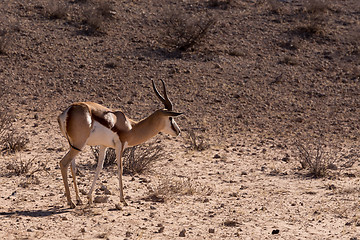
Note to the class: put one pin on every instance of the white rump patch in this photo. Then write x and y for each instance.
(62, 121)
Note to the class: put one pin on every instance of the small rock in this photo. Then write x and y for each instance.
(332, 166)
(101, 199)
(350, 175)
(118, 206)
(182, 233)
(161, 228)
(286, 158)
(128, 234)
(299, 120)
(211, 230)
(275, 231)
(216, 156)
(231, 223)
(105, 190)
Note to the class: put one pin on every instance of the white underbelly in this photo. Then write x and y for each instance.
(101, 135)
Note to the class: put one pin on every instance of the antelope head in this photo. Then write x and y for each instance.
(167, 114)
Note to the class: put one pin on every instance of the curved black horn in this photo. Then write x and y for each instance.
(165, 101)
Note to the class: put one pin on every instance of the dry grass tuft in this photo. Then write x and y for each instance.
(184, 31)
(5, 123)
(10, 140)
(222, 4)
(197, 143)
(176, 187)
(316, 157)
(314, 24)
(13, 142)
(4, 41)
(28, 168)
(56, 9)
(29, 180)
(316, 6)
(94, 16)
(139, 159)
(110, 156)
(275, 6)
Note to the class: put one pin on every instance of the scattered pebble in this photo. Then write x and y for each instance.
(101, 199)
(211, 230)
(216, 156)
(231, 223)
(161, 228)
(182, 233)
(286, 158)
(275, 231)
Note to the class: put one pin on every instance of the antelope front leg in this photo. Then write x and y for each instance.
(120, 172)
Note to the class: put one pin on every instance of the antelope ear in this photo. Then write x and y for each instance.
(171, 113)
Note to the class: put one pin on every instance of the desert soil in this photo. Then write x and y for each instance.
(267, 75)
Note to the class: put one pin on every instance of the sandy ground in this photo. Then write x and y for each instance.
(245, 191)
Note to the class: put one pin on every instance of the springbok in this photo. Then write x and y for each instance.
(89, 123)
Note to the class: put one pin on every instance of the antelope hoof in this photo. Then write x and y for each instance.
(90, 201)
(79, 202)
(124, 202)
(72, 205)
